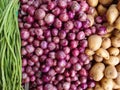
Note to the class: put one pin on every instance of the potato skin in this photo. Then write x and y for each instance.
(110, 72)
(115, 42)
(93, 3)
(103, 53)
(107, 84)
(96, 71)
(94, 42)
(117, 80)
(106, 43)
(113, 51)
(105, 2)
(98, 58)
(112, 14)
(101, 9)
(113, 60)
(117, 23)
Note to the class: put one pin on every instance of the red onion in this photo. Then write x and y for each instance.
(49, 18)
(31, 10)
(75, 6)
(60, 55)
(56, 11)
(57, 23)
(39, 14)
(30, 48)
(38, 31)
(39, 51)
(69, 25)
(66, 85)
(43, 44)
(73, 44)
(63, 17)
(62, 3)
(35, 58)
(75, 52)
(25, 34)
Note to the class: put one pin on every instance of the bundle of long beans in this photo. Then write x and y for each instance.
(10, 46)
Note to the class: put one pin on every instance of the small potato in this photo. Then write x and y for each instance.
(118, 6)
(96, 71)
(90, 58)
(108, 35)
(112, 14)
(105, 2)
(98, 87)
(113, 60)
(92, 3)
(116, 33)
(98, 58)
(91, 19)
(118, 68)
(109, 28)
(89, 52)
(103, 53)
(101, 9)
(107, 84)
(116, 86)
(115, 41)
(110, 72)
(106, 43)
(117, 23)
(94, 42)
(113, 51)
(117, 80)
(95, 13)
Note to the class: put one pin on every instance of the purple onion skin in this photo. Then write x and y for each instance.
(54, 37)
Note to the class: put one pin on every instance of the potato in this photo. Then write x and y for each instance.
(110, 72)
(116, 33)
(117, 80)
(117, 23)
(112, 14)
(98, 58)
(115, 85)
(98, 87)
(109, 28)
(94, 42)
(106, 43)
(91, 19)
(103, 53)
(105, 2)
(96, 71)
(115, 41)
(90, 58)
(113, 51)
(92, 3)
(107, 84)
(113, 60)
(118, 6)
(89, 52)
(118, 56)
(118, 68)
(107, 35)
(95, 13)
(89, 88)
(101, 9)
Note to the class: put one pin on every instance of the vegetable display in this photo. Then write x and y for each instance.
(60, 44)
(10, 46)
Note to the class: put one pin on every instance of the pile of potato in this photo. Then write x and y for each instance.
(105, 51)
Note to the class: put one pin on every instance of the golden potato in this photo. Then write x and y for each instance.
(106, 43)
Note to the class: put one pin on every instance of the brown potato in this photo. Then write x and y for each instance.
(107, 84)
(117, 23)
(89, 52)
(106, 43)
(105, 2)
(115, 41)
(103, 53)
(117, 80)
(98, 58)
(110, 72)
(94, 42)
(118, 68)
(116, 33)
(96, 71)
(107, 35)
(109, 28)
(93, 3)
(101, 9)
(116, 86)
(91, 19)
(113, 60)
(112, 14)
(113, 51)
(118, 6)
(98, 87)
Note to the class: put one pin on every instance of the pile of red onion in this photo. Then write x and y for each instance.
(54, 37)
